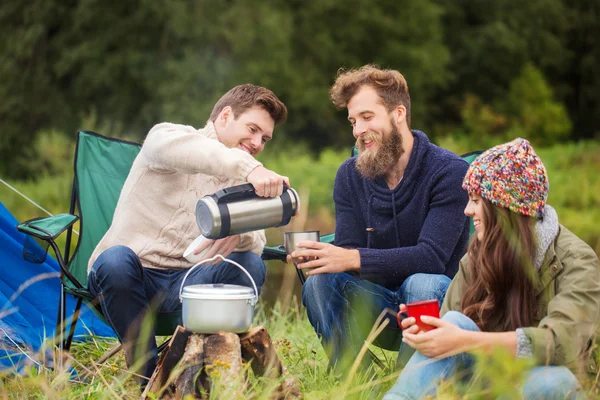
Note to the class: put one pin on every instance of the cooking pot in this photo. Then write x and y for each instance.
(238, 209)
(216, 307)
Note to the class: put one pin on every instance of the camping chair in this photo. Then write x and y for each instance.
(101, 166)
(390, 338)
(100, 169)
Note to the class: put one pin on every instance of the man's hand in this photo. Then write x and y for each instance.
(326, 258)
(266, 182)
(223, 247)
(445, 341)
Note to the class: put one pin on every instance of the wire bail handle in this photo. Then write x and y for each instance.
(252, 301)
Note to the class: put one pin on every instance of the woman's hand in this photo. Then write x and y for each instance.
(408, 324)
(445, 341)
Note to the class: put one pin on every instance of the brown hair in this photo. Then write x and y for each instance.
(389, 84)
(501, 292)
(243, 97)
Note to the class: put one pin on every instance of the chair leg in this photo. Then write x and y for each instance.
(301, 276)
(60, 324)
(74, 320)
(376, 359)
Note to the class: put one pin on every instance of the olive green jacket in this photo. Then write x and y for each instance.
(567, 318)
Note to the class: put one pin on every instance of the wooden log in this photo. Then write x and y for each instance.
(188, 381)
(167, 361)
(206, 358)
(258, 350)
(223, 357)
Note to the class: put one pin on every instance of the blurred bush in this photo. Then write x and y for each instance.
(528, 110)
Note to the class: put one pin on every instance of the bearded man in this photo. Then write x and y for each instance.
(400, 228)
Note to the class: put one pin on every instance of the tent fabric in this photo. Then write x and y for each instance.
(29, 296)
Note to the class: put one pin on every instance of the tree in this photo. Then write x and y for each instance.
(533, 111)
(64, 60)
(492, 41)
(295, 48)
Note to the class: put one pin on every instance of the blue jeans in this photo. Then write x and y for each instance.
(342, 309)
(421, 376)
(127, 293)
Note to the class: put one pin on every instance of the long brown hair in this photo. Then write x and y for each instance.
(501, 292)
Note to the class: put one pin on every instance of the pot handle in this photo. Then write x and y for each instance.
(252, 301)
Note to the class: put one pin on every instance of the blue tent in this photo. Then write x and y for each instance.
(28, 314)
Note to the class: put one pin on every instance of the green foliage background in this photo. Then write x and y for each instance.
(489, 69)
(480, 73)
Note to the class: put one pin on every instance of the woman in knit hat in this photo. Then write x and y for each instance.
(527, 284)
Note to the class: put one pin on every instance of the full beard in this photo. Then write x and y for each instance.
(373, 164)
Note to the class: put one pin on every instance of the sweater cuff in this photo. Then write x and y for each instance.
(247, 165)
(369, 263)
(524, 345)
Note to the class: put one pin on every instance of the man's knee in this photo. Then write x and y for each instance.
(317, 286)
(253, 264)
(117, 266)
(426, 287)
(315, 289)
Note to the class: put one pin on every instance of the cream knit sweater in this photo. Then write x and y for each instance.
(155, 215)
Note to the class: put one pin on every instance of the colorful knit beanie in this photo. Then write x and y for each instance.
(510, 176)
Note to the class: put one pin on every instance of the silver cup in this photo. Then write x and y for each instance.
(293, 238)
(290, 242)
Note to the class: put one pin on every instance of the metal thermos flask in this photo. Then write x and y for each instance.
(239, 209)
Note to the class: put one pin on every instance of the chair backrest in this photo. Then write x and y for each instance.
(471, 156)
(101, 167)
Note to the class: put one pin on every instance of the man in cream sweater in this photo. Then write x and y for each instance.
(138, 266)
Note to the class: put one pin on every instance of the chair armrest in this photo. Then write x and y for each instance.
(47, 228)
(329, 238)
(274, 253)
(279, 253)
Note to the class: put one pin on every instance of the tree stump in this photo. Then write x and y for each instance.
(191, 364)
(200, 358)
(258, 348)
(223, 358)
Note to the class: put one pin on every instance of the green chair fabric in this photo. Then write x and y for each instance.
(48, 227)
(101, 167)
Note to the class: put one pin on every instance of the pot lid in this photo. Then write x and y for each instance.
(217, 291)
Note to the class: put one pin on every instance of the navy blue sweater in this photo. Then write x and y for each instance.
(419, 226)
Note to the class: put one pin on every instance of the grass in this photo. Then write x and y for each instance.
(296, 343)
(299, 350)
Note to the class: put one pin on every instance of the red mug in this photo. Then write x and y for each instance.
(430, 308)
